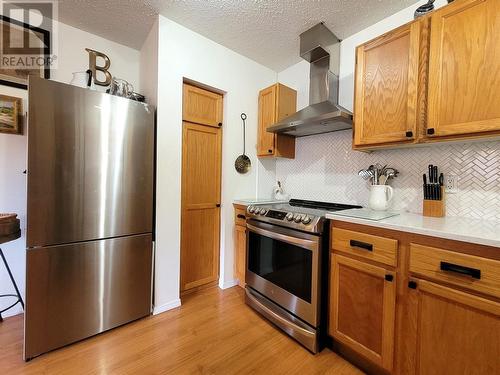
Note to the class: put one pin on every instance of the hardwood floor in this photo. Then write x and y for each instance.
(213, 332)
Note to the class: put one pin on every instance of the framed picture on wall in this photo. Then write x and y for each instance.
(15, 35)
(11, 115)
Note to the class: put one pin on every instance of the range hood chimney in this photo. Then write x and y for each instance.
(321, 48)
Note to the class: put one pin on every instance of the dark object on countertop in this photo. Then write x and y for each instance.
(433, 203)
(426, 8)
(434, 189)
(15, 234)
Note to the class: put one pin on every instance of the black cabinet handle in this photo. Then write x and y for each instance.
(462, 270)
(241, 216)
(217, 205)
(430, 131)
(412, 284)
(389, 277)
(270, 151)
(361, 245)
(409, 134)
(220, 124)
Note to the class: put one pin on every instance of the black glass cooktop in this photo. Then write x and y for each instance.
(327, 206)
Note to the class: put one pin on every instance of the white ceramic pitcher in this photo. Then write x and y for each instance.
(83, 79)
(380, 197)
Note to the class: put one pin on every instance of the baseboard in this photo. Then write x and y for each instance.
(166, 306)
(228, 284)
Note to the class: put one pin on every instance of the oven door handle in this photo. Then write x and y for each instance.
(276, 318)
(307, 244)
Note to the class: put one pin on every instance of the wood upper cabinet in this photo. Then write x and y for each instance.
(457, 333)
(387, 88)
(202, 106)
(362, 308)
(434, 79)
(275, 103)
(464, 69)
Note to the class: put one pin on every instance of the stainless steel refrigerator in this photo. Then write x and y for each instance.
(90, 214)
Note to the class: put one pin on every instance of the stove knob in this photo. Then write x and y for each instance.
(251, 209)
(289, 216)
(263, 211)
(256, 211)
(306, 219)
(298, 218)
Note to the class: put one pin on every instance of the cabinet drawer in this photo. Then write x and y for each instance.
(468, 271)
(378, 249)
(239, 215)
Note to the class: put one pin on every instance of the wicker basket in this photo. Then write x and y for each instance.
(9, 224)
(4, 218)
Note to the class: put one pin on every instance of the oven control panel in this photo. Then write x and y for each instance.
(278, 215)
(284, 216)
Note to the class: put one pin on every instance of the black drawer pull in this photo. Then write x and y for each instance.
(241, 216)
(430, 131)
(409, 134)
(462, 270)
(361, 245)
(389, 277)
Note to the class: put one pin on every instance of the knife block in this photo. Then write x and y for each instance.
(434, 208)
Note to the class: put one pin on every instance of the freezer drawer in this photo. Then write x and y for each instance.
(78, 290)
(90, 165)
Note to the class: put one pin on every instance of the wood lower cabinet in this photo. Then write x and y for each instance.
(362, 308)
(240, 244)
(387, 87)
(457, 333)
(240, 259)
(464, 69)
(436, 311)
(275, 103)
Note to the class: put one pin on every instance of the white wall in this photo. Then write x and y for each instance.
(325, 167)
(149, 66)
(185, 54)
(72, 57)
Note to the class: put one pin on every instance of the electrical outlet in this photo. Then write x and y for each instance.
(451, 184)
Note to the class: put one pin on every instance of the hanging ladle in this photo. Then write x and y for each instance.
(243, 163)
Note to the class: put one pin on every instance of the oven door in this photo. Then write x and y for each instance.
(283, 265)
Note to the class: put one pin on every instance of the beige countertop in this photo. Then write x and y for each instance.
(482, 232)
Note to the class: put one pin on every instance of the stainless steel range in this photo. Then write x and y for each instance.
(287, 263)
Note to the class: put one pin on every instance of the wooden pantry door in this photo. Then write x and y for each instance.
(201, 185)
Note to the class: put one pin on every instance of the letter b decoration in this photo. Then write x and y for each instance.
(94, 67)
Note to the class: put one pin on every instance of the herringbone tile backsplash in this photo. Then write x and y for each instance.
(325, 168)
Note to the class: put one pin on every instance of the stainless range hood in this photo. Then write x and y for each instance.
(321, 48)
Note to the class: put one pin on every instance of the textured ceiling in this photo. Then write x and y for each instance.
(264, 30)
